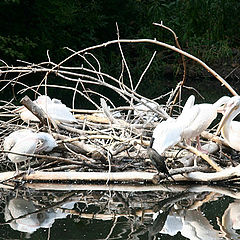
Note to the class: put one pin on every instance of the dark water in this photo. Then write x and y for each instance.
(120, 212)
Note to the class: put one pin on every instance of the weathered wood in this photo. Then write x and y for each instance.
(165, 187)
(227, 173)
(82, 176)
(203, 156)
(91, 150)
(35, 109)
(214, 138)
(92, 118)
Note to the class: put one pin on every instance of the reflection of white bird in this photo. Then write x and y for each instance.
(52, 107)
(195, 119)
(192, 224)
(25, 142)
(21, 215)
(230, 129)
(18, 207)
(231, 220)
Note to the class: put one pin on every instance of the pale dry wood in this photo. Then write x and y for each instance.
(187, 159)
(225, 174)
(46, 157)
(214, 138)
(82, 176)
(35, 109)
(92, 118)
(157, 43)
(98, 216)
(203, 156)
(90, 149)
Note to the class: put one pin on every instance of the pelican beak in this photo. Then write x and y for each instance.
(226, 116)
(222, 109)
(19, 109)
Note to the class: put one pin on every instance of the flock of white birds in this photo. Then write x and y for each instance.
(194, 119)
(26, 141)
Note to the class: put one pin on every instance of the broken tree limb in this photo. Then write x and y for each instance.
(225, 174)
(92, 118)
(203, 156)
(82, 176)
(35, 109)
(95, 152)
(214, 138)
(228, 191)
(38, 112)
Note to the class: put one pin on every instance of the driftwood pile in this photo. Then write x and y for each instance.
(109, 141)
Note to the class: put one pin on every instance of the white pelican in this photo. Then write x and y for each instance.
(47, 142)
(195, 119)
(11, 140)
(230, 129)
(52, 107)
(25, 142)
(166, 134)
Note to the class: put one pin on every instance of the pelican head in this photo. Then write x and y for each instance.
(231, 109)
(48, 142)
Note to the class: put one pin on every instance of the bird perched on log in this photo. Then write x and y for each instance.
(166, 134)
(157, 160)
(230, 130)
(54, 108)
(26, 142)
(195, 119)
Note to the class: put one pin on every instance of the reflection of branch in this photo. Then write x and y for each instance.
(112, 228)
(228, 191)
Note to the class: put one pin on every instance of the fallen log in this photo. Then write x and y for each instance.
(225, 174)
(81, 176)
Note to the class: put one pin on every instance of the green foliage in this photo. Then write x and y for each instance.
(207, 28)
(16, 47)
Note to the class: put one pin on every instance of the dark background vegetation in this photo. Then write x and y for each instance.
(208, 29)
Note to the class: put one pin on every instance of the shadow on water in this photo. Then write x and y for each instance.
(121, 212)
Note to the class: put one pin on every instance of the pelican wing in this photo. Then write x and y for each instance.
(166, 135)
(25, 145)
(188, 116)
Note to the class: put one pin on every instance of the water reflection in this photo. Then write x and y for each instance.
(231, 221)
(24, 215)
(191, 224)
(188, 214)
